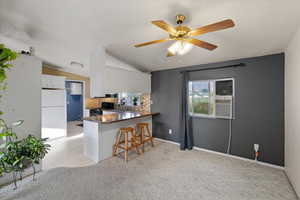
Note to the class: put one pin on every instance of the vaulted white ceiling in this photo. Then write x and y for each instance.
(69, 30)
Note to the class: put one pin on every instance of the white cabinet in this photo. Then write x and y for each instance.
(121, 80)
(53, 82)
(86, 113)
(110, 75)
(53, 98)
(54, 122)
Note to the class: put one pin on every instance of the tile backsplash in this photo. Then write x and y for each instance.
(144, 105)
(146, 102)
(92, 103)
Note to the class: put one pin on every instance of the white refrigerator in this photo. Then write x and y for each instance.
(54, 115)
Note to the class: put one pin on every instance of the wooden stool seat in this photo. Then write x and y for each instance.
(126, 140)
(145, 135)
(143, 124)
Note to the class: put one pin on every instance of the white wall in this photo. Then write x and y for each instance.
(22, 99)
(292, 111)
(114, 62)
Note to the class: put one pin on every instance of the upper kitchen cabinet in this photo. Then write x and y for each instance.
(123, 80)
(53, 82)
(111, 75)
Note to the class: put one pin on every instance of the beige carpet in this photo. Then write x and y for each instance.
(164, 173)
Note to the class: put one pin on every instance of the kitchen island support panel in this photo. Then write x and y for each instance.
(99, 138)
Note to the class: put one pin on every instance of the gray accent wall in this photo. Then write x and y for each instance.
(259, 108)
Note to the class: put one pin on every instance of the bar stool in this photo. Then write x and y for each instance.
(145, 135)
(128, 133)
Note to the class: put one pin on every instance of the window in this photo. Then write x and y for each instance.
(129, 99)
(211, 98)
(201, 98)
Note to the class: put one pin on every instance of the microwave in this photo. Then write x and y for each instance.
(107, 106)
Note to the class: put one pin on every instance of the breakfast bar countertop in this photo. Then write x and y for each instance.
(113, 117)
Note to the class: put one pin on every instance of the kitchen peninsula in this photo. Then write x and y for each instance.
(100, 131)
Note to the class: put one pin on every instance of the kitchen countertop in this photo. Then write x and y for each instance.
(113, 117)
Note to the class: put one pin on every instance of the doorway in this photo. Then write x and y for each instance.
(75, 98)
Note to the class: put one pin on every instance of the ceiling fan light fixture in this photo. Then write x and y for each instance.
(180, 47)
(183, 35)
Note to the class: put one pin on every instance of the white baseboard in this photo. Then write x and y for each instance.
(226, 155)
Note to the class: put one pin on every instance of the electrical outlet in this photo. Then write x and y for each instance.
(256, 147)
(170, 131)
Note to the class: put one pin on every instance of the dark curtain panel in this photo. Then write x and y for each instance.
(186, 134)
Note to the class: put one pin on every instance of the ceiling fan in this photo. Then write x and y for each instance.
(183, 35)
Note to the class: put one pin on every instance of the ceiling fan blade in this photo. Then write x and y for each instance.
(152, 42)
(169, 54)
(213, 27)
(201, 43)
(165, 26)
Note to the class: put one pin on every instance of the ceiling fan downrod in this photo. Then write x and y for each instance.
(180, 18)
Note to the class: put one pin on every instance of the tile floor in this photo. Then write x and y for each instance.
(67, 151)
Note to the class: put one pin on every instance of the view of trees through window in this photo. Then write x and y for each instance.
(199, 97)
(211, 98)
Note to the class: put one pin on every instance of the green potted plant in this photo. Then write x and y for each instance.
(135, 100)
(6, 134)
(6, 55)
(11, 157)
(34, 150)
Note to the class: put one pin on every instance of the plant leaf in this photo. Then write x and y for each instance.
(2, 75)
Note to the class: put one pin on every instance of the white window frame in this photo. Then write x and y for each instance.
(212, 99)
